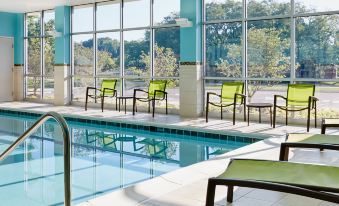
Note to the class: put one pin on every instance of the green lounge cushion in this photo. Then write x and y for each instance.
(284, 173)
(157, 85)
(313, 138)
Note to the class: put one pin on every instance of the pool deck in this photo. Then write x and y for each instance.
(187, 186)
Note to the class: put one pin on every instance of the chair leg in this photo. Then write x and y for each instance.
(86, 102)
(210, 193)
(207, 112)
(221, 111)
(102, 103)
(244, 112)
(286, 117)
(315, 116)
(229, 193)
(274, 114)
(284, 153)
(308, 118)
(153, 107)
(234, 114)
(134, 105)
(116, 103)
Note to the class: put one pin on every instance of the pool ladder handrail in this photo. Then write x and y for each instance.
(67, 148)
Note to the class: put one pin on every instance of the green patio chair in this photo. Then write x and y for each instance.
(232, 94)
(107, 90)
(305, 140)
(156, 92)
(315, 181)
(299, 97)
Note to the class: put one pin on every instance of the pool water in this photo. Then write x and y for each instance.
(104, 159)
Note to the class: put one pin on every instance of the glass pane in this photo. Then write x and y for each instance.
(172, 89)
(328, 106)
(82, 19)
(33, 87)
(223, 9)
(264, 91)
(310, 6)
(49, 56)
(34, 56)
(33, 22)
(83, 54)
(49, 22)
(223, 50)
(108, 16)
(80, 85)
(48, 88)
(165, 11)
(268, 8)
(317, 47)
(269, 48)
(137, 52)
(108, 54)
(166, 52)
(131, 84)
(136, 13)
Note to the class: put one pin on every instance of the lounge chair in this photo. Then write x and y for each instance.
(232, 94)
(299, 97)
(315, 181)
(318, 141)
(107, 90)
(154, 148)
(156, 92)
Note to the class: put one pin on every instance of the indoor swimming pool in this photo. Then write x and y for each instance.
(105, 157)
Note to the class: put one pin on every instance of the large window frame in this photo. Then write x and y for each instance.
(292, 17)
(122, 78)
(43, 35)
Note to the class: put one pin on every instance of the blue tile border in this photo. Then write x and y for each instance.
(143, 128)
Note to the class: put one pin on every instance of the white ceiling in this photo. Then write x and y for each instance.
(37, 5)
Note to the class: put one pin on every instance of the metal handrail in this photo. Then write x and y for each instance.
(67, 148)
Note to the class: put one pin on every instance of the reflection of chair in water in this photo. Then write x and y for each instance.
(215, 152)
(155, 148)
(92, 136)
(108, 139)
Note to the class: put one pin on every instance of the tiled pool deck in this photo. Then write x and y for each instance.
(187, 186)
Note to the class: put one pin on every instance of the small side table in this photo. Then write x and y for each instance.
(123, 100)
(329, 122)
(259, 106)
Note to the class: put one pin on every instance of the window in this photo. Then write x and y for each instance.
(273, 43)
(39, 66)
(133, 51)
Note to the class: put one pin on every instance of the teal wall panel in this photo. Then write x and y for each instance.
(62, 43)
(191, 37)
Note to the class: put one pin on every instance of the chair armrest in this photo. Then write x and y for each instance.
(242, 96)
(104, 91)
(212, 93)
(159, 91)
(91, 88)
(314, 98)
(276, 99)
(138, 90)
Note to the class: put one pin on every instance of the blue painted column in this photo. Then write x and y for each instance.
(19, 40)
(190, 80)
(62, 55)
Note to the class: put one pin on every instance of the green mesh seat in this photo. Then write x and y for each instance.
(156, 92)
(107, 90)
(232, 94)
(299, 97)
(316, 181)
(306, 140)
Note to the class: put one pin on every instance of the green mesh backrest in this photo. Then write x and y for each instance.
(108, 83)
(156, 85)
(229, 89)
(298, 94)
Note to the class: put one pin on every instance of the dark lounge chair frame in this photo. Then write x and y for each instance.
(221, 105)
(312, 104)
(149, 100)
(320, 193)
(285, 147)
